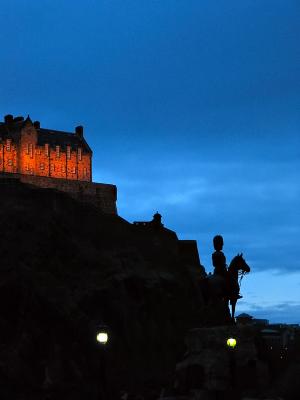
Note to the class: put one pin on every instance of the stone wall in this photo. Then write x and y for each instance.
(8, 157)
(189, 253)
(27, 158)
(101, 195)
(210, 366)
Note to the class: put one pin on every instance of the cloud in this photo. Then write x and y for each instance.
(255, 208)
(278, 313)
(270, 295)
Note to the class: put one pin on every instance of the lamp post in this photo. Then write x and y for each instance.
(231, 343)
(102, 339)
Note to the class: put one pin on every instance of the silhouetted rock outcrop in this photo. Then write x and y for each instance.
(66, 267)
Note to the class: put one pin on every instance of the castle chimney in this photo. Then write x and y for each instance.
(79, 131)
(37, 124)
(8, 119)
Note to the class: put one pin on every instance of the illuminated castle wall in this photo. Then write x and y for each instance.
(52, 159)
(27, 149)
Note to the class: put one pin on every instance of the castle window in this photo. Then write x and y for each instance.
(47, 150)
(38, 152)
(8, 144)
(57, 151)
(0, 161)
(68, 152)
(31, 150)
(42, 166)
(10, 162)
(52, 167)
(27, 167)
(63, 169)
(74, 170)
(27, 148)
(84, 172)
(79, 154)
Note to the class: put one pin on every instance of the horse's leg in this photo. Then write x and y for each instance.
(233, 304)
(227, 310)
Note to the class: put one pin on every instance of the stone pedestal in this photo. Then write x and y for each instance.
(212, 370)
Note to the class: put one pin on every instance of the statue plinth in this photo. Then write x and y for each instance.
(210, 366)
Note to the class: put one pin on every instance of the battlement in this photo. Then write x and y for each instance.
(101, 195)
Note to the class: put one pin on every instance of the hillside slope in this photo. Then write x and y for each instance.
(65, 268)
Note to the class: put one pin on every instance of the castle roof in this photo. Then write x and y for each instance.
(61, 138)
(12, 130)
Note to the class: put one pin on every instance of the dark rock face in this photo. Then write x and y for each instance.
(66, 267)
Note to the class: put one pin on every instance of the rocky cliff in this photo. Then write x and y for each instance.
(65, 268)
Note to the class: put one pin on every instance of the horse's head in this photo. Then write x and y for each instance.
(239, 263)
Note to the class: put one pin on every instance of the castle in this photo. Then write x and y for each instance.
(52, 159)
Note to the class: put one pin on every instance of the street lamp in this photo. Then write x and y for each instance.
(231, 343)
(102, 339)
(102, 335)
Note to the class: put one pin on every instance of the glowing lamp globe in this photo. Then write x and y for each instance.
(102, 337)
(231, 342)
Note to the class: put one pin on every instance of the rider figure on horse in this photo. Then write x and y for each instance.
(218, 257)
(219, 262)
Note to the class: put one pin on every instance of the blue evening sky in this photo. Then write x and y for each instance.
(192, 109)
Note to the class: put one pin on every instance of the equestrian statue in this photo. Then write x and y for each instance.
(224, 284)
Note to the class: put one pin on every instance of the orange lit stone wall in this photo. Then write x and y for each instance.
(8, 157)
(72, 166)
(1, 157)
(29, 159)
(26, 151)
(49, 167)
(57, 163)
(84, 168)
(42, 161)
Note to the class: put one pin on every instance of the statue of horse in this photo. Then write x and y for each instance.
(227, 288)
